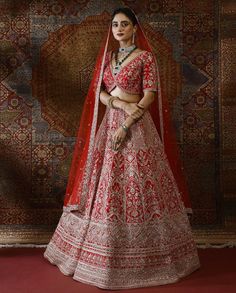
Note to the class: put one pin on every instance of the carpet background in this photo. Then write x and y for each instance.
(48, 49)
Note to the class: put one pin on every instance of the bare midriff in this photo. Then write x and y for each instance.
(129, 98)
(118, 92)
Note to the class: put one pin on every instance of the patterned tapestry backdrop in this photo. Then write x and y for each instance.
(48, 50)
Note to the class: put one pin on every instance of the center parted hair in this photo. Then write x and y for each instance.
(126, 11)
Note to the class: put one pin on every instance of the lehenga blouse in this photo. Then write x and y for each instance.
(135, 77)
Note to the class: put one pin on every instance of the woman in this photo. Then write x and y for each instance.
(125, 223)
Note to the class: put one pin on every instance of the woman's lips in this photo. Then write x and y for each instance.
(120, 34)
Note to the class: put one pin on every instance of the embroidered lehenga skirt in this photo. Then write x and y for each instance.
(133, 230)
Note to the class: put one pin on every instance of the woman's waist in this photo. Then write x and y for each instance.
(124, 96)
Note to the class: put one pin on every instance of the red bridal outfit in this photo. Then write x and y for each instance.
(124, 221)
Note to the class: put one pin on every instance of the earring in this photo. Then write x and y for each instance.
(133, 37)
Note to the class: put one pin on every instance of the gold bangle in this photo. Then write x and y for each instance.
(135, 119)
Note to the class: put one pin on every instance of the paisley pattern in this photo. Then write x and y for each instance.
(138, 75)
(133, 230)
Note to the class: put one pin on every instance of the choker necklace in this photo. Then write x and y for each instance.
(127, 49)
(117, 67)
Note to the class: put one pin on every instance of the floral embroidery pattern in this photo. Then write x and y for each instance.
(133, 230)
(135, 77)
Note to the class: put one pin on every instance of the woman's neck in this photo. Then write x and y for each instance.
(125, 44)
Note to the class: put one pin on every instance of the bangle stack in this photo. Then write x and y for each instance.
(141, 107)
(135, 119)
(110, 102)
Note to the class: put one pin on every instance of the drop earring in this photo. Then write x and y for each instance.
(133, 37)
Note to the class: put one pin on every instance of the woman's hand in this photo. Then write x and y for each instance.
(133, 110)
(118, 138)
(129, 108)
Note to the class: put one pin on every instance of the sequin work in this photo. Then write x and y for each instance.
(133, 230)
(135, 77)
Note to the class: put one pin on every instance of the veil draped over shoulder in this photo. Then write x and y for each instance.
(92, 114)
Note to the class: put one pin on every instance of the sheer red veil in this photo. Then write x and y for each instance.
(92, 114)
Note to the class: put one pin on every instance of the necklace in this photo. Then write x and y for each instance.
(129, 50)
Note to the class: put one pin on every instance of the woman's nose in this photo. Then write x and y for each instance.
(120, 28)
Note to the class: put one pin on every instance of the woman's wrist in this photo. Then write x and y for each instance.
(138, 115)
(124, 127)
(140, 106)
(119, 104)
(110, 102)
(129, 122)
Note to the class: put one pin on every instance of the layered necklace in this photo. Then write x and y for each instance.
(128, 51)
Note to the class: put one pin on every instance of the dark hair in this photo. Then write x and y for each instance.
(126, 11)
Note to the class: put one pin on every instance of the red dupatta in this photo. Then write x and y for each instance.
(92, 113)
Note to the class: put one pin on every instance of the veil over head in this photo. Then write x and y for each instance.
(92, 114)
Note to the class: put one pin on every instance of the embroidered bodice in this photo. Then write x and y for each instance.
(138, 75)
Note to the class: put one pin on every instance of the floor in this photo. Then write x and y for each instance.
(24, 270)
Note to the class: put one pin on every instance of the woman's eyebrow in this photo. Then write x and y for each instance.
(123, 21)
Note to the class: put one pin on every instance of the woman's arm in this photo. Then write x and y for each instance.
(104, 98)
(120, 133)
(145, 102)
(149, 85)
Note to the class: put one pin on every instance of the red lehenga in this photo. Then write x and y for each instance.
(124, 221)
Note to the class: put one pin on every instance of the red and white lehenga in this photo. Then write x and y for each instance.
(124, 221)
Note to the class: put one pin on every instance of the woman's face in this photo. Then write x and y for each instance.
(122, 27)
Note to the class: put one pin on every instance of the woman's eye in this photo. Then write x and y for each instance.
(123, 24)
